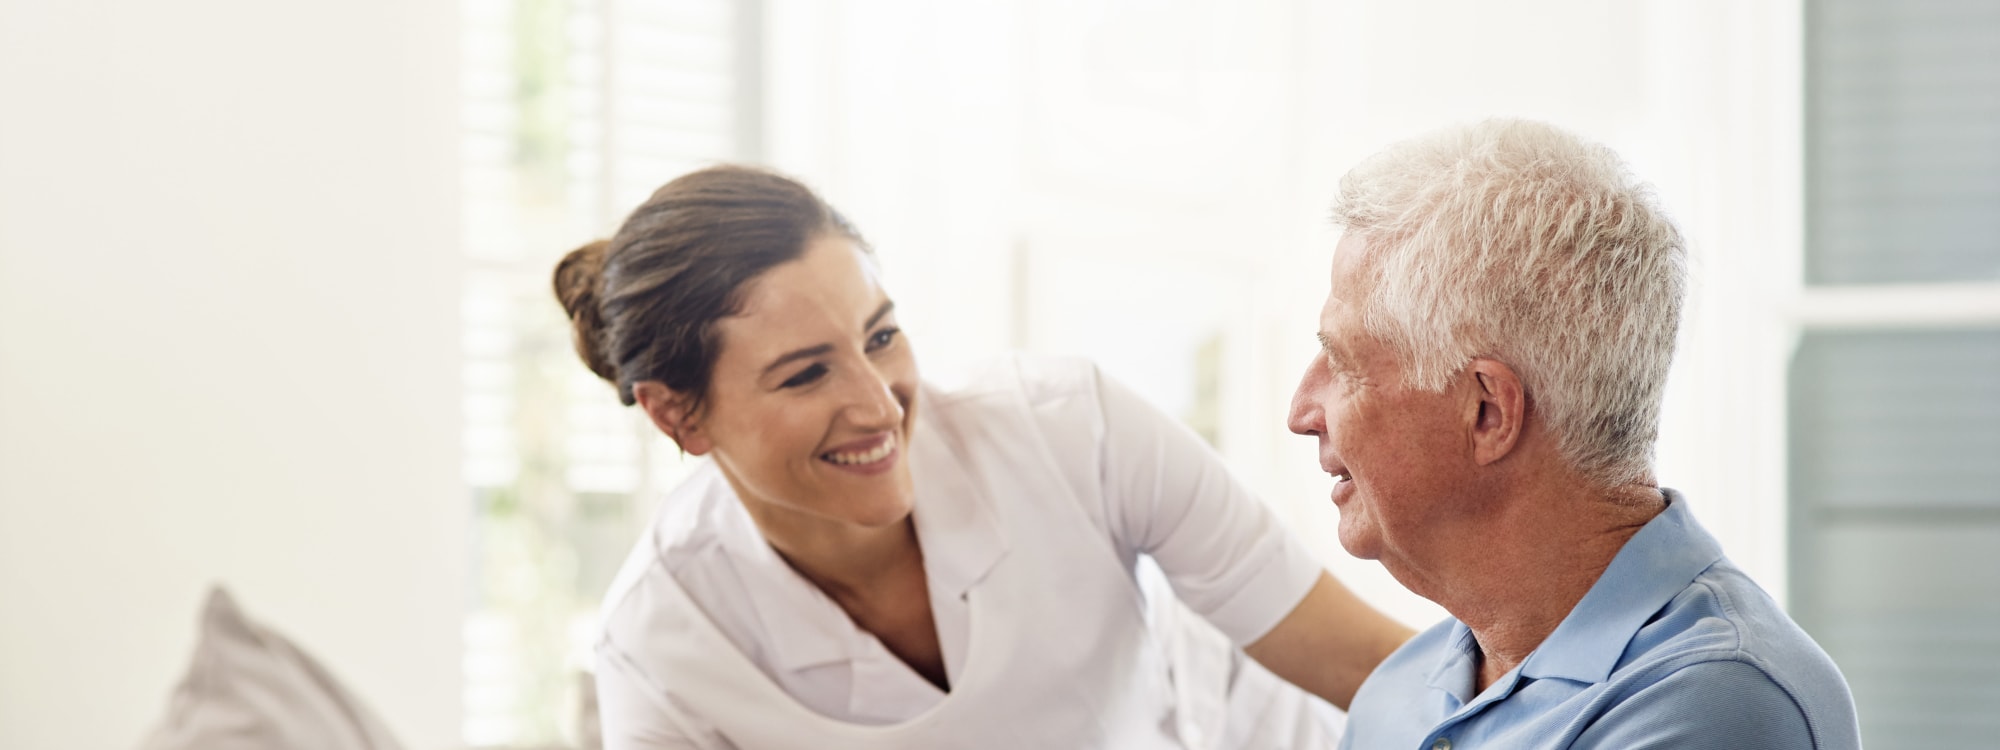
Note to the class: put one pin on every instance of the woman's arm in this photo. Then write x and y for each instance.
(1329, 643)
(1169, 495)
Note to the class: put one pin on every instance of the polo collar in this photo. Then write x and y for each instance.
(1653, 567)
(1457, 666)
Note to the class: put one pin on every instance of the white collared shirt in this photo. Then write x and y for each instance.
(1148, 483)
(803, 640)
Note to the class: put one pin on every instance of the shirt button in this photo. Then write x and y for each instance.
(1442, 743)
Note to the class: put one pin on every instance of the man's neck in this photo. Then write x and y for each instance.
(1534, 564)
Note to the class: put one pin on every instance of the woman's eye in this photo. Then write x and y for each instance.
(805, 377)
(882, 338)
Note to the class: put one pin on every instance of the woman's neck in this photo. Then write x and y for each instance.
(875, 575)
(844, 560)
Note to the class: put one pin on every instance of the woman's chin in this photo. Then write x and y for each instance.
(876, 500)
(881, 521)
(880, 511)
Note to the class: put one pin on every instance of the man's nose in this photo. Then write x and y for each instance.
(1306, 417)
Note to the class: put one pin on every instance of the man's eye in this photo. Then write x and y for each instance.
(805, 377)
(882, 338)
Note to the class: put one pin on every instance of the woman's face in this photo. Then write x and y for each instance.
(813, 394)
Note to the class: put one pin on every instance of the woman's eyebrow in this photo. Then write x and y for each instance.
(798, 354)
(887, 306)
(824, 349)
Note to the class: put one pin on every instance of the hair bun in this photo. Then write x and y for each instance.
(578, 281)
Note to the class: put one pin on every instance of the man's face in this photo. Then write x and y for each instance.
(1399, 456)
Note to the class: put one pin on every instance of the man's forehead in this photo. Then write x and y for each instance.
(1347, 255)
(1345, 272)
(1342, 294)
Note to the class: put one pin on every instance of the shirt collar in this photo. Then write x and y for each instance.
(955, 522)
(1457, 666)
(803, 627)
(1653, 567)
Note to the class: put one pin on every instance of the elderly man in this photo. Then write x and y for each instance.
(1503, 311)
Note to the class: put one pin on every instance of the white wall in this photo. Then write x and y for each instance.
(1124, 178)
(229, 276)
(228, 351)
(1702, 99)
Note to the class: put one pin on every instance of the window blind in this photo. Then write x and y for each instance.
(574, 111)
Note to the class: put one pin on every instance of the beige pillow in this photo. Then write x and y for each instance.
(250, 689)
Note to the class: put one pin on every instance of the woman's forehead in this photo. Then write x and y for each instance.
(832, 275)
(830, 291)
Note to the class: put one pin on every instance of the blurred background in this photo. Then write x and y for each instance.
(274, 303)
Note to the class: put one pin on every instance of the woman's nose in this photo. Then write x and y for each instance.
(874, 402)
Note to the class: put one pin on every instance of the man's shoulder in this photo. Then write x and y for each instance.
(1713, 698)
(1722, 615)
(1724, 643)
(1720, 660)
(1704, 701)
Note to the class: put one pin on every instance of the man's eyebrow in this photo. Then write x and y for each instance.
(798, 354)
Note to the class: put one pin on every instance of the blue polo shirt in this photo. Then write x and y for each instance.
(1672, 647)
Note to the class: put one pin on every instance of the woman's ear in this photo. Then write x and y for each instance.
(669, 410)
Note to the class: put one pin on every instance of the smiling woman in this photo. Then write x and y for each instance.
(817, 580)
(812, 401)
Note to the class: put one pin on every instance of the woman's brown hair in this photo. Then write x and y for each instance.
(644, 303)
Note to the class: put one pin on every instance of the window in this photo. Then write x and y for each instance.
(1895, 401)
(574, 112)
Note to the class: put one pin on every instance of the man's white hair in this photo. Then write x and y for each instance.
(1520, 242)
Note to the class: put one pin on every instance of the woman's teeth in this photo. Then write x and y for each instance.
(880, 452)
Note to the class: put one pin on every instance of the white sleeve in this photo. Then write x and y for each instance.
(1168, 495)
(630, 710)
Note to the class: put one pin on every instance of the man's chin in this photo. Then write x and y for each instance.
(1358, 542)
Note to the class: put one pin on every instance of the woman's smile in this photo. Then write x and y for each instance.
(814, 392)
(867, 456)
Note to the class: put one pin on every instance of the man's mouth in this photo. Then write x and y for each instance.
(1340, 473)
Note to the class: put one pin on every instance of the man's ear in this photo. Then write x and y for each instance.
(1500, 411)
(669, 410)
